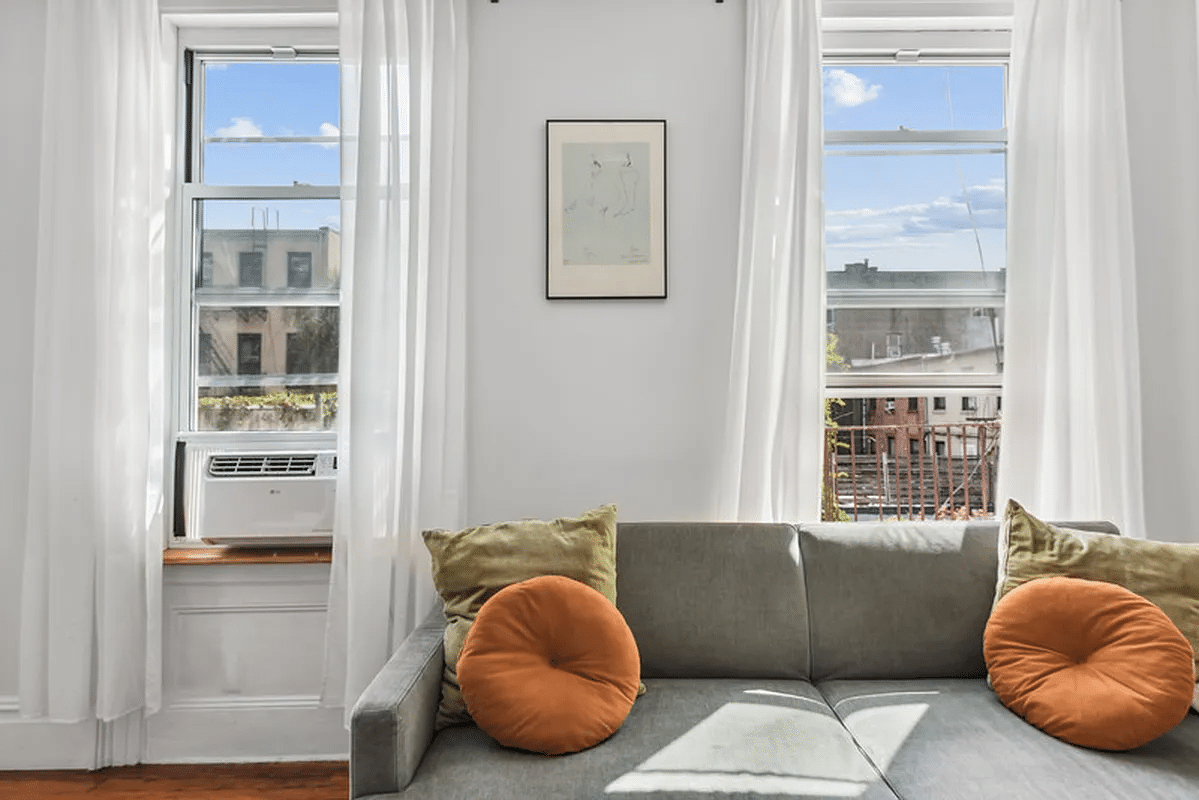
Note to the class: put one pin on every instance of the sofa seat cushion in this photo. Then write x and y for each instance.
(1089, 662)
(685, 739)
(948, 739)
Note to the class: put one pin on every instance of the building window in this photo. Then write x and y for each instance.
(915, 243)
(206, 266)
(889, 405)
(249, 269)
(249, 354)
(260, 182)
(969, 403)
(913, 447)
(299, 270)
(297, 363)
(206, 356)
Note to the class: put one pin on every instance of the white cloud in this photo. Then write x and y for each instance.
(241, 127)
(329, 129)
(908, 223)
(848, 90)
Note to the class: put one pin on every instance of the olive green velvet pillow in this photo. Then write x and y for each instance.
(471, 565)
(1166, 574)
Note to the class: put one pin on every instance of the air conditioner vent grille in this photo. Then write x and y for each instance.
(248, 465)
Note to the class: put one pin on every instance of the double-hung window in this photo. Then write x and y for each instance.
(915, 259)
(260, 226)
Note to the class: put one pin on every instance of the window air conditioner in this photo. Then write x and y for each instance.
(264, 499)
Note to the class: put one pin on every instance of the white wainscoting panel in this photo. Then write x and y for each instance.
(243, 654)
(25, 744)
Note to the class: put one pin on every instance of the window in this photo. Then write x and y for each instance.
(969, 404)
(206, 359)
(260, 266)
(889, 404)
(206, 264)
(249, 353)
(915, 229)
(299, 270)
(249, 269)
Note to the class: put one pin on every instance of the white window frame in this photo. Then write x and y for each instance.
(226, 35)
(965, 33)
(211, 27)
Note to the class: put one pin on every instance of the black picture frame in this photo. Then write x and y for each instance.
(605, 209)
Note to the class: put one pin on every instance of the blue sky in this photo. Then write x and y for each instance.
(271, 99)
(901, 212)
(909, 212)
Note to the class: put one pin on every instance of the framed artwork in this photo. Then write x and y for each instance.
(605, 209)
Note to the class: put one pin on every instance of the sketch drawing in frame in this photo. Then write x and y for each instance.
(606, 209)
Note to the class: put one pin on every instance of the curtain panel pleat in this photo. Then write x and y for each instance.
(403, 417)
(774, 431)
(1071, 389)
(91, 587)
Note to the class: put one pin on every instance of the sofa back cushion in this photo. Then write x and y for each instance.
(895, 600)
(713, 600)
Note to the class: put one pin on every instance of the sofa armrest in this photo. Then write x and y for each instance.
(391, 725)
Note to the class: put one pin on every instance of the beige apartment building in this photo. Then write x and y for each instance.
(267, 305)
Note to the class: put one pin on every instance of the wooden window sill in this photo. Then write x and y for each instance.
(247, 555)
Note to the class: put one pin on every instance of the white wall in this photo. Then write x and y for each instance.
(575, 403)
(22, 33)
(1161, 70)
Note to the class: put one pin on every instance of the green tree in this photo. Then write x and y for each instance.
(830, 511)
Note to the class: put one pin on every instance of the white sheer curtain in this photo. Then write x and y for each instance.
(90, 598)
(1163, 116)
(1071, 394)
(402, 436)
(774, 432)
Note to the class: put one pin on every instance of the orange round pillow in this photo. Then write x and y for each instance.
(549, 666)
(1089, 662)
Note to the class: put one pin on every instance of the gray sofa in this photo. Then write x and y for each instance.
(809, 661)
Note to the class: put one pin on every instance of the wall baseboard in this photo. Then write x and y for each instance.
(29, 744)
(260, 730)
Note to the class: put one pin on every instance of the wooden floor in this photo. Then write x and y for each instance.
(320, 780)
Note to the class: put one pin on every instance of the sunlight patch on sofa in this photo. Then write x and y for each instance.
(739, 784)
(772, 693)
(752, 748)
(883, 730)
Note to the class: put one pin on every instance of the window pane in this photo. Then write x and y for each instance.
(919, 213)
(899, 459)
(249, 267)
(916, 97)
(299, 270)
(270, 124)
(271, 245)
(267, 367)
(907, 340)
